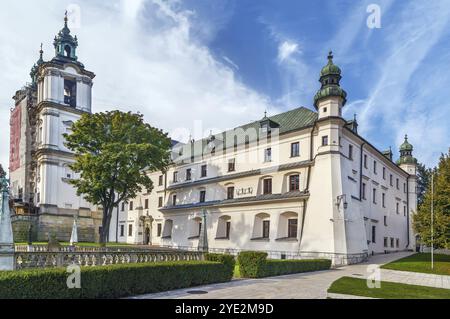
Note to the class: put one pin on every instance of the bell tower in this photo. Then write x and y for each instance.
(65, 44)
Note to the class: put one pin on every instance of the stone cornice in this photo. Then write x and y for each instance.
(45, 104)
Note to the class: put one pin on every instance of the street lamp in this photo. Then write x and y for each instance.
(340, 199)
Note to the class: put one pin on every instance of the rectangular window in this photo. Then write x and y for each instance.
(122, 209)
(374, 196)
(189, 174)
(146, 204)
(391, 180)
(397, 184)
(392, 242)
(247, 142)
(365, 161)
(294, 183)
(397, 243)
(325, 140)
(161, 180)
(159, 230)
(363, 191)
(404, 211)
(160, 202)
(266, 229)
(268, 155)
(230, 192)
(130, 230)
(131, 205)
(383, 200)
(232, 165)
(204, 171)
(228, 230)
(374, 167)
(385, 242)
(295, 149)
(122, 230)
(202, 196)
(374, 234)
(350, 152)
(385, 221)
(267, 186)
(174, 200)
(199, 228)
(397, 210)
(384, 172)
(404, 188)
(292, 228)
(175, 177)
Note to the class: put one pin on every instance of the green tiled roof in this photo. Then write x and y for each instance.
(293, 120)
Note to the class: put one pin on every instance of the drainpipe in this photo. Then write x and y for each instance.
(407, 211)
(360, 170)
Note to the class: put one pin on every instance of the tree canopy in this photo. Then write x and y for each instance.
(2, 172)
(114, 151)
(441, 203)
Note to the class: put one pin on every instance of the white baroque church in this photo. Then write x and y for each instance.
(298, 184)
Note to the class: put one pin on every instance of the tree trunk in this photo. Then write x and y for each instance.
(107, 213)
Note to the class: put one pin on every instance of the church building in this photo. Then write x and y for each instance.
(45, 109)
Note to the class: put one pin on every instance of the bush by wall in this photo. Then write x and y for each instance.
(251, 264)
(228, 260)
(113, 281)
(256, 265)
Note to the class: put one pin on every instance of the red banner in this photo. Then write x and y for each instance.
(14, 151)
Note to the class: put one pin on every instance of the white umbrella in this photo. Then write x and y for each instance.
(74, 236)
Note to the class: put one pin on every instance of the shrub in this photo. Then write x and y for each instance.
(256, 265)
(251, 263)
(228, 260)
(285, 267)
(113, 281)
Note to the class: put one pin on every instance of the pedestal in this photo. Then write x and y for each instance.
(6, 257)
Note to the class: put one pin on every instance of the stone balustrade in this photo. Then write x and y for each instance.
(27, 260)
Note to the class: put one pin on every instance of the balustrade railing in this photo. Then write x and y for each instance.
(27, 260)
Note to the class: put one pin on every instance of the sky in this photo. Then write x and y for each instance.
(199, 65)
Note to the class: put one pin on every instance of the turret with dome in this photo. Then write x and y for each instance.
(406, 150)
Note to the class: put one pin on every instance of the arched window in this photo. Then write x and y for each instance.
(195, 228)
(68, 51)
(223, 227)
(168, 226)
(288, 226)
(261, 226)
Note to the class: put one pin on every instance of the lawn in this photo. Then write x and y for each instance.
(237, 271)
(388, 290)
(422, 263)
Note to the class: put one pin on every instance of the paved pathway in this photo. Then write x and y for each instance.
(302, 286)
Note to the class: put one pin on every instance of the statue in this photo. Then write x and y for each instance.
(6, 233)
(74, 236)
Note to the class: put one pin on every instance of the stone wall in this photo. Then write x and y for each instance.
(21, 225)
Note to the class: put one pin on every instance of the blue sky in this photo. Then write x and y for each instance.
(199, 65)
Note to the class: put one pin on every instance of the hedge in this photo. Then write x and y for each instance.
(254, 264)
(113, 281)
(227, 260)
(251, 264)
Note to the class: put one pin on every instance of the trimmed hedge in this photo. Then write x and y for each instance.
(228, 260)
(254, 264)
(286, 267)
(113, 281)
(251, 263)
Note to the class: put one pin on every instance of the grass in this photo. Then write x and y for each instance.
(422, 263)
(388, 290)
(237, 271)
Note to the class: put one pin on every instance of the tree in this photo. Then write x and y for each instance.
(441, 203)
(423, 181)
(2, 172)
(114, 151)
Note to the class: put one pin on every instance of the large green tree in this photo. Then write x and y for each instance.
(2, 172)
(423, 180)
(114, 151)
(441, 204)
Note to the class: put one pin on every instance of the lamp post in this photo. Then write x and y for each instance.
(432, 221)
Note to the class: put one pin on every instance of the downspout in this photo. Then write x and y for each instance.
(360, 170)
(407, 211)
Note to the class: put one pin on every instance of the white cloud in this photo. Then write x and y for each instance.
(286, 49)
(145, 59)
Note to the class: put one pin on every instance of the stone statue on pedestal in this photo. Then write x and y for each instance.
(6, 233)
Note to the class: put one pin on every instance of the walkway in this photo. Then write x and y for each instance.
(301, 286)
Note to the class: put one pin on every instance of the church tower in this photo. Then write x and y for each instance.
(409, 164)
(60, 93)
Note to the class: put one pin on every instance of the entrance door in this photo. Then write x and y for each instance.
(147, 236)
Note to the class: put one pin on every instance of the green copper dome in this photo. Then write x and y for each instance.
(406, 146)
(406, 156)
(330, 76)
(330, 68)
